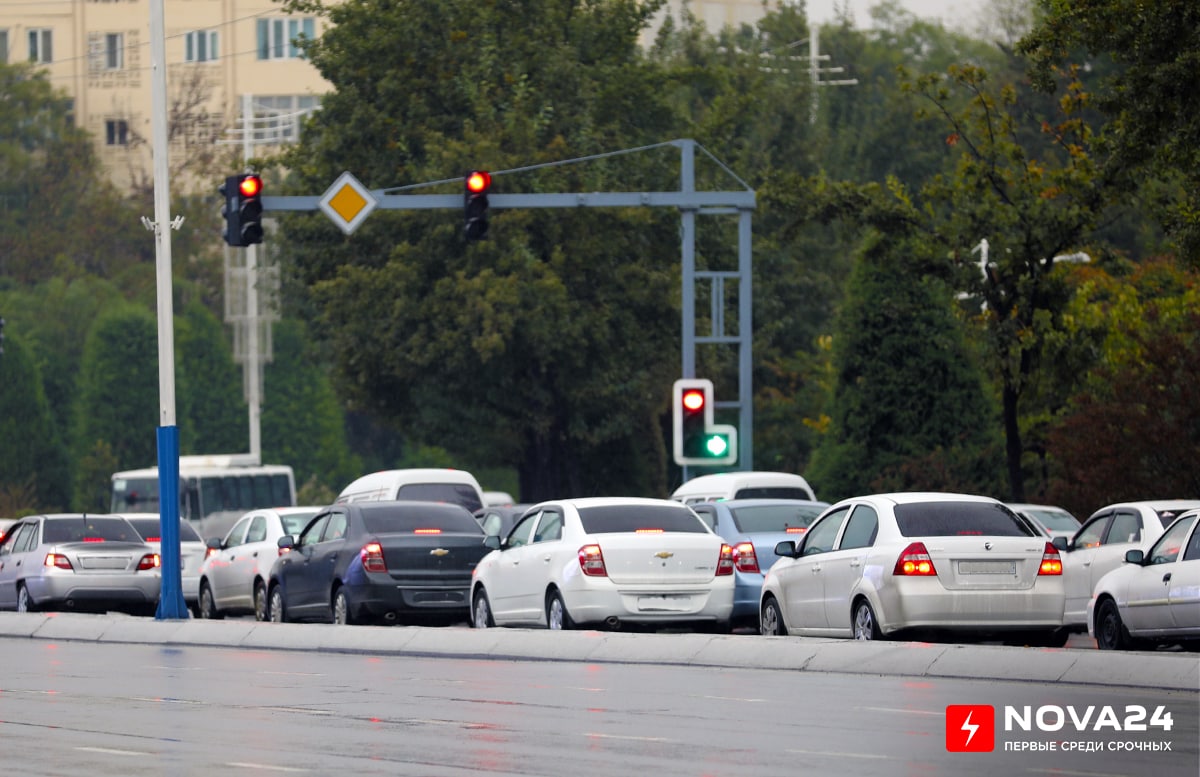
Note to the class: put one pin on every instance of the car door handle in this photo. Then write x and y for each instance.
(854, 562)
(816, 568)
(1167, 578)
(546, 558)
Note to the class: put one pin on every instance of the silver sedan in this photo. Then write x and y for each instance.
(77, 561)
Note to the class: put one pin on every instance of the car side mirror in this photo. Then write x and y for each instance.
(286, 542)
(214, 543)
(1135, 557)
(1061, 543)
(492, 542)
(785, 548)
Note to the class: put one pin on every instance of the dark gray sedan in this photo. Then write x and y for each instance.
(378, 562)
(77, 561)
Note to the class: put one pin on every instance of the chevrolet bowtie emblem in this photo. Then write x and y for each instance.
(438, 552)
(664, 554)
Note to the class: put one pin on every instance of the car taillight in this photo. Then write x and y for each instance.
(427, 531)
(744, 557)
(372, 557)
(796, 529)
(209, 553)
(725, 561)
(1051, 561)
(914, 561)
(591, 561)
(59, 561)
(149, 561)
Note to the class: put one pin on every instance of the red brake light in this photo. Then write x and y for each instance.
(153, 539)
(149, 561)
(725, 561)
(648, 531)
(58, 560)
(591, 561)
(796, 529)
(1051, 561)
(914, 561)
(372, 557)
(744, 557)
(93, 539)
(427, 531)
(209, 553)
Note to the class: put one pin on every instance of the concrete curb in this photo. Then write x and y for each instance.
(1158, 670)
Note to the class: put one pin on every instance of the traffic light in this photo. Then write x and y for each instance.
(475, 204)
(243, 209)
(697, 439)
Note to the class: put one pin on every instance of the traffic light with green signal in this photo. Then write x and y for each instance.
(697, 439)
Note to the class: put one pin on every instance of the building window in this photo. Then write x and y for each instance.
(114, 51)
(277, 119)
(3, 47)
(116, 132)
(277, 37)
(41, 46)
(201, 46)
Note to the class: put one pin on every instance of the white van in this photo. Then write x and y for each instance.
(427, 485)
(744, 485)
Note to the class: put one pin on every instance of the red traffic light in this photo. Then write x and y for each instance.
(693, 400)
(250, 186)
(479, 181)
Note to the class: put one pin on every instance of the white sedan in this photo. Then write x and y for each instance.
(876, 566)
(605, 562)
(1154, 598)
(233, 578)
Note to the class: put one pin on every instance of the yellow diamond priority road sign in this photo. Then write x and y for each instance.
(347, 202)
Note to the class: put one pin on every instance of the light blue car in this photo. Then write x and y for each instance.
(752, 527)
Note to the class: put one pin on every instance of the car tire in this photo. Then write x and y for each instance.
(481, 611)
(1111, 633)
(557, 617)
(208, 605)
(342, 616)
(276, 608)
(24, 600)
(864, 622)
(260, 601)
(770, 621)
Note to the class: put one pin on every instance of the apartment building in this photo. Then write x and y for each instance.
(220, 54)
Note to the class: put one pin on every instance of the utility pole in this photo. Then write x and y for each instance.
(815, 57)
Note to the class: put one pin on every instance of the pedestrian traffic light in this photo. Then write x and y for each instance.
(475, 204)
(243, 209)
(697, 440)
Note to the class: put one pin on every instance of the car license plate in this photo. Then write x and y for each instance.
(987, 567)
(665, 603)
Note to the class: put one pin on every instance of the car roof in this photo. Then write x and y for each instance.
(912, 497)
(594, 501)
(1157, 505)
(764, 501)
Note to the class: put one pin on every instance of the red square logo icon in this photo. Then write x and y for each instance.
(970, 728)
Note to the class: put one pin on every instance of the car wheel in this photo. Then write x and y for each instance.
(24, 601)
(481, 611)
(276, 609)
(557, 617)
(208, 605)
(770, 622)
(1111, 633)
(341, 608)
(865, 625)
(260, 601)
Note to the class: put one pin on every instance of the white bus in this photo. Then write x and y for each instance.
(214, 491)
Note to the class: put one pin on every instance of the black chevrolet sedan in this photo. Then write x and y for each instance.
(378, 562)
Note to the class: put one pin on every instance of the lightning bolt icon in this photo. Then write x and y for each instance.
(969, 727)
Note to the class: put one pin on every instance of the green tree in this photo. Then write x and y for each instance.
(911, 410)
(302, 422)
(118, 399)
(212, 414)
(33, 458)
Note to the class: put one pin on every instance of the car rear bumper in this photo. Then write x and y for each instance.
(121, 590)
(377, 600)
(917, 604)
(649, 605)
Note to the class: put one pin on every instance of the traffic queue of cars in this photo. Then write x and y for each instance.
(730, 551)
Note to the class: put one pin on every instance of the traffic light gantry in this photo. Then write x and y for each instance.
(697, 439)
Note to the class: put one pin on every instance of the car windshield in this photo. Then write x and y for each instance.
(88, 528)
(151, 530)
(609, 519)
(1057, 520)
(394, 519)
(759, 519)
(950, 519)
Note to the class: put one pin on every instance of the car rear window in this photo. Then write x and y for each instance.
(760, 519)
(89, 529)
(773, 492)
(294, 523)
(151, 530)
(610, 519)
(454, 493)
(950, 519)
(1167, 517)
(405, 519)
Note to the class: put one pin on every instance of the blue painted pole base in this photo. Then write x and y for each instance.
(171, 605)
